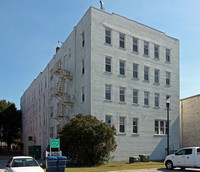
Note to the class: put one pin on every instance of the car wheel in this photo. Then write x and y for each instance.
(169, 165)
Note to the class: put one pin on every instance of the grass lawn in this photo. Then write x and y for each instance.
(118, 166)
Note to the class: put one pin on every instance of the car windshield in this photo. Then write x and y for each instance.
(24, 162)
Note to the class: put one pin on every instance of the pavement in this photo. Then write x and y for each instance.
(4, 160)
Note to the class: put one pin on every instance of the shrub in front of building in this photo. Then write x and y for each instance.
(86, 141)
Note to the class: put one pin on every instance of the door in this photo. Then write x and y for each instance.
(179, 158)
(189, 157)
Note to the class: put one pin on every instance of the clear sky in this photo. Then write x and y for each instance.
(30, 31)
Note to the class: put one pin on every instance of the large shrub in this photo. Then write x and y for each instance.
(87, 141)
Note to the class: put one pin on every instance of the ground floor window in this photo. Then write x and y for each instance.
(161, 127)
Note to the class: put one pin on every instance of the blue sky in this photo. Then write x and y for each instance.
(30, 31)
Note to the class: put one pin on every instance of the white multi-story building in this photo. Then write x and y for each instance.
(115, 69)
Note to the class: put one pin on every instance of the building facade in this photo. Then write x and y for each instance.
(189, 121)
(116, 69)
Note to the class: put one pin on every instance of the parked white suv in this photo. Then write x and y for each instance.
(185, 158)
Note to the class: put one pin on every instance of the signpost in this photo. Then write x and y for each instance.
(55, 143)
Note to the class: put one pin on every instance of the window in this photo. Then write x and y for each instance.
(121, 40)
(156, 75)
(168, 78)
(83, 67)
(51, 111)
(135, 70)
(146, 98)
(51, 78)
(83, 94)
(184, 152)
(122, 94)
(122, 125)
(146, 73)
(108, 36)
(160, 127)
(51, 132)
(108, 120)
(157, 99)
(135, 125)
(108, 92)
(168, 55)
(146, 48)
(108, 64)
(83, 39)
(69, 52)
(135, 44)
(122, 67)
(135, 96)
(156, 51)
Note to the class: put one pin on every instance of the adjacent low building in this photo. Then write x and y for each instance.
(189, 121)
(116, 69)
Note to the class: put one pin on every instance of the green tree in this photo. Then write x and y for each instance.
(10, 123)
(87, 141)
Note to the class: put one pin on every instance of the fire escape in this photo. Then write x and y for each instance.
(64, 99)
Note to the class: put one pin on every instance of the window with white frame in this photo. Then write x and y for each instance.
(122, 124)
(135, 125)
(122, 67)
(135, 44)
(168, 76)
(160, 127)
(83, 39)
(146, 98)
(167, 55)
(156, 75)
(146, 48)
(156, 51)
(135, 70)
(108, 92)
(135, 96)
(83, 67)
(146, 73)
(122, 94)
(83, 94)
(121, 40)
(157, 96)
(108, 64)
(108, 36)
(108, 120)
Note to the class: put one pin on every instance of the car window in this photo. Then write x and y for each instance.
(181, 152)
(22, 162)
(188, 151)
(198, 151)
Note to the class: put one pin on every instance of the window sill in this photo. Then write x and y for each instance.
(135, 104)
(122, 76)
(121, 134)
(136, 79)
(135, 52)
(156, 107)
(167, 86)
(159, 135)
(108, 73)
(108, 44)
(146, 106)
(135, 134)
(168, 62)
(124, 49)
(156, 59)
(146, 81)
(147, 56)
(108, 101)
(156, 83)
(123, 103)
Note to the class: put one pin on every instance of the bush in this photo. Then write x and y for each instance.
(87, 141)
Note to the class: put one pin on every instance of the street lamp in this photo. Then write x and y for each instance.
(167, 105)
